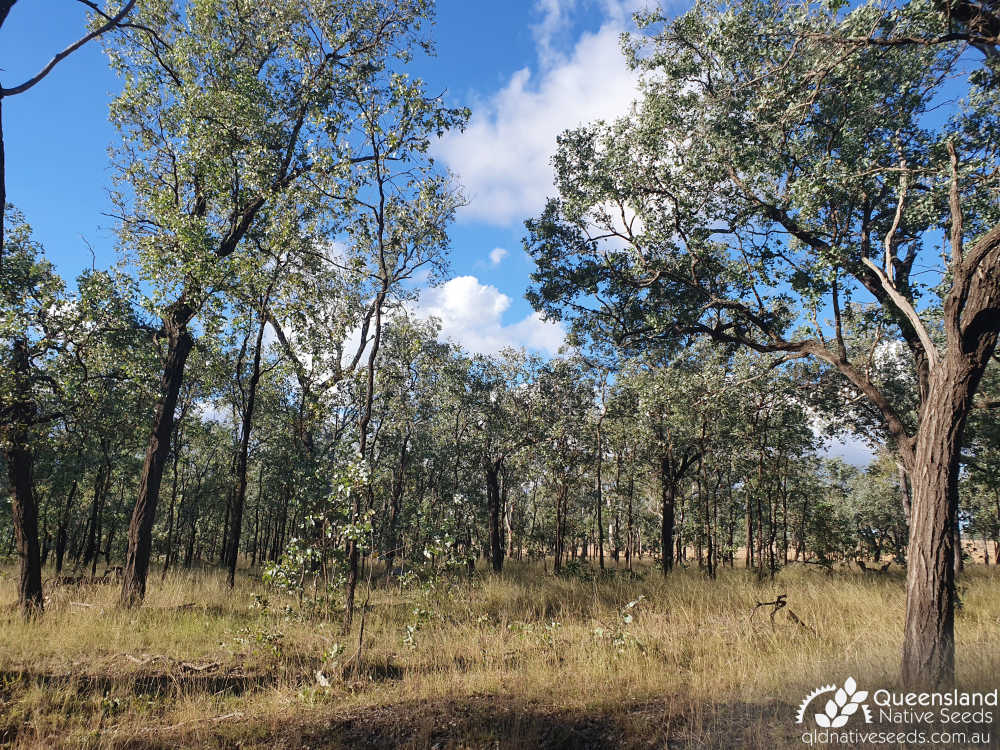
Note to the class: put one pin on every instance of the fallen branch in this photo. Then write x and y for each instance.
(208, 720)
(778, 604)
(199, 667)
(147, 659)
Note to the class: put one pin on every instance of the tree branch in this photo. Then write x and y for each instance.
(106, 26)
(906, 308)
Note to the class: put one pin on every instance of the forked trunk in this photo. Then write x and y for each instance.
(140, 530)
(971, 311)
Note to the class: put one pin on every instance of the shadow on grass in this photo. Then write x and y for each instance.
(503, 723)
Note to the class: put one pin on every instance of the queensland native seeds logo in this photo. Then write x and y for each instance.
(839, 708)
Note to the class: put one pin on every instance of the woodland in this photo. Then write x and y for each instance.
(251, 498)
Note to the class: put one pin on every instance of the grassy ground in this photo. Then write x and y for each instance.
(521, 660)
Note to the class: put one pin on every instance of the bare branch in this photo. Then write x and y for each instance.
(891, 234)
(906, 308)
(106, 26)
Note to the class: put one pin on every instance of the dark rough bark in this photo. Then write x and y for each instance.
(25, 516)
(101, 482)
(972, 323)
(929, 642)
(189, 550)
(929, 639)
(560, 526)
(240, 494)
(170, 515)
(63, 527)
(20, 460)
(140, 531)
(668, 493)
(493, 503)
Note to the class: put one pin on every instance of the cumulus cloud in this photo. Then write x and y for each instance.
(471, 314)
(497, 254)
(503, 157)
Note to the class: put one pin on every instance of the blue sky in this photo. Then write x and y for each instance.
(529, 69)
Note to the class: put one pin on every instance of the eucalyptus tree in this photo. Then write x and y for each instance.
(781, 164)
(880, 521)
(564, 446)
(56, 367)
(666, 397)
(402, 208)
(107, 379)
(248, 368)
(627, 445)
(242, 121)
(32, 299)
(408, 384)
(501, 396)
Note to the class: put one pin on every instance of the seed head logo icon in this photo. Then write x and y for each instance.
(840, 708)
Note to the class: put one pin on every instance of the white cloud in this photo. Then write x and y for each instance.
(503, 157)
(497, 254)
(471, 314)
(555, 18)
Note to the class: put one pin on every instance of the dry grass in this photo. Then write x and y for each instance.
(525, 659)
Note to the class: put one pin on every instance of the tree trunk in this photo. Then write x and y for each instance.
(353, 553)
(971, 314)
(492, 470)
(240, 495)
(3, 184)
(189, 551)
(929, 638)
(101, 483)
(20, 459)
(600, 495)
(748, 510)
(140, 530)
(560, 526)
(668, 493)
(170, 513)
(631, 533)
(63, 524)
